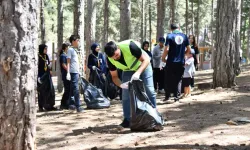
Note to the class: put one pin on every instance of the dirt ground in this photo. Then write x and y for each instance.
(197, 123)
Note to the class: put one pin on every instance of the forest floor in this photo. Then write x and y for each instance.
(198, 122)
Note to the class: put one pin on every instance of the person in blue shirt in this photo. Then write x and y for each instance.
(175, 46)
(66, 83)
(97, 64)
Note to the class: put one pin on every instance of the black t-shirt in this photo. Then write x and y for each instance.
(196, 50)
(135, 51)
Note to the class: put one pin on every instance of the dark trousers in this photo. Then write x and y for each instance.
(74, 89)
(158, 76)
(66, 94)
(173, 74)
(192, 82)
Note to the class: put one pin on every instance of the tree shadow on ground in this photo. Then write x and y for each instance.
(108, 129)
(183, 147)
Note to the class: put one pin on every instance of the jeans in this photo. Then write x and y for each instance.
(147, 78)
(74, 89)
(66, 94)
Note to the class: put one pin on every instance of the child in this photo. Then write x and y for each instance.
(188, 74)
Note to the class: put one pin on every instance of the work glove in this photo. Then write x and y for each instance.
(135, 76)
(68, 76)
(124, 85)
(94, 67)
(39, 80)
(162, 65)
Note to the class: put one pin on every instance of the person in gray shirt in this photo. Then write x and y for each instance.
(73, 73)
(158, 70)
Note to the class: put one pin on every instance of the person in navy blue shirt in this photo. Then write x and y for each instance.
(66, 83)
(175, 46)
(97, 64)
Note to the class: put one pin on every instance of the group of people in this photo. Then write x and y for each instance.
(173, 59)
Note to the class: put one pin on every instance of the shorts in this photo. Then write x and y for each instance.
(186, 82)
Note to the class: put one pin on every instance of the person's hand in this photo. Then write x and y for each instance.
(68, 76)
(162, 65)
(39, 80)
(103, 75)
(135, 76)
(94, 67)
(124, 85)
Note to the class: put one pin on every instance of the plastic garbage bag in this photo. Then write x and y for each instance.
(93, 96)
(144, 117)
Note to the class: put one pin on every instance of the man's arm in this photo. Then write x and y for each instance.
(115, 78)
(188, 49)
(165, 53)
(68, 64)
(145, 61)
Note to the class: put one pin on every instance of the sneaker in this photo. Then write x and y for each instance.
(176, 99)
(72, 107)
(80, 110)
(166, 99)
(64, 107)
(161, 91)
(125, 123)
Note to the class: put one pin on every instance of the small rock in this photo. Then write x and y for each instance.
(196, 144)
(94, 148)
(221, 132)
(211, 131)
(145, 143)
(220, 102)
(67, 141)
(136, 143)
(242, 144)
(215, 145)
(219, 89)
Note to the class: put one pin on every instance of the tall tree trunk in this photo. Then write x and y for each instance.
(79, 30)
(90, 28)
(106, 22)
(142, 20)
(186, 17)
(18, 77)
(160, 18)
(248, 41)
(192, 17)
(244, 29)
(42, 22)
(145, 22)
(172, 10)
(125, 15)
(59, 44)
(212, 33)
(228, 43)
(198, 22)
(150, 23)
(241, 23)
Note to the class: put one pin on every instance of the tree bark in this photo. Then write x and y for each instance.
(192, 17)
(18, 77)
(106, 22)
(186, 17)
(142, 20)
(228, 43)
(160, 18)
(79, 30)
(172, 10)
(248, 41)
(198, 23)
(90, 28)
(42, 22)
(150, 23)
(125, 23)
(59, 44)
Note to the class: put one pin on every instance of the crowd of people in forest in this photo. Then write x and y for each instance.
(171, 63)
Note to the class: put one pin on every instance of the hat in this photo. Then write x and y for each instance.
(94, 46)
(162, 39)
(174, 26)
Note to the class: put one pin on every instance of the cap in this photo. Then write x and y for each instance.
(162, 39)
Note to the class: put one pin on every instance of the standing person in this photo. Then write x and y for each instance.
(176, 43)
(73, 73)
(195, 52)
(188, 74)
(157, 66)
(145, 47)
(97, 64)
(66, 83)
(46, 92)
(135, 64)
